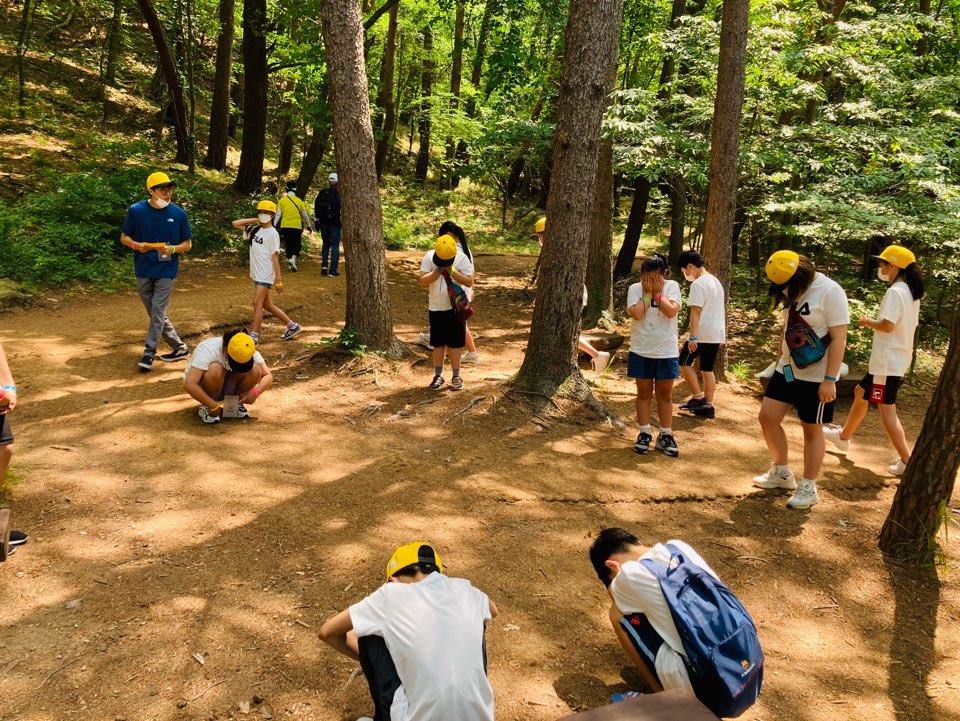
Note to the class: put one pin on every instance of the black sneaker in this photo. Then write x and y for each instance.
(693, 403)
(666, 444)
(707, 411)
(334, 274)
(436, 383)
(181, 353)
(242, 411)
(146, 363)
(323, 270)
(642, 446)
(18, 538)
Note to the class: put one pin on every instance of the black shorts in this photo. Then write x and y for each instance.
(6, 434)
(292, 241)
(446, 330)
(706, 352)
(802, 395)
(882, 395)
(644, 638)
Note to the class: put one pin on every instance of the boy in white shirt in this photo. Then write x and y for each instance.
(419, 639)
(265, 268)
(891, 354)
(708, 331)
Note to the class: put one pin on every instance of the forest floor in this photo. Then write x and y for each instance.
(180, 571)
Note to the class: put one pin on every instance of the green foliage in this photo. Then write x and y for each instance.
(741, 371)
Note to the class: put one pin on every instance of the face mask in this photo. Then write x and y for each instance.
(264, 217)
(160, 203)
(689, 278)
(881, 275)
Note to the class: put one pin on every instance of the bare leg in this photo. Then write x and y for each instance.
(644, 396)
(275, 311)
(771, 418)
(690, 377)
(259, 296)
(585, 347)
(709, 385)
(471, 346)
(814, 446)
(455, 354)
(635, 658)
(858, 411)
(212, 381)
(6, 453)
(664, 391)
(246, 381)
(438, 353)
(891, 424)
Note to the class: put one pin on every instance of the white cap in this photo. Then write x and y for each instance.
(332, 178)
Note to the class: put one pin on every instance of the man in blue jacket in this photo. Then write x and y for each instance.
(159, 232)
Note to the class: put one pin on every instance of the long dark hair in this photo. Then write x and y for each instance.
(457, 232)
(655, 263)
(912, 276)
(787, 293)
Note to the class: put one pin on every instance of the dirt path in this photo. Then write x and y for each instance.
(175, 571)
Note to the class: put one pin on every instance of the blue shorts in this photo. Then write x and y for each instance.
(661, 369)
(265, 285)
(644, 639)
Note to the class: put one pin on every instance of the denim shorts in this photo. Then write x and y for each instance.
(661, 369)
(261, 283)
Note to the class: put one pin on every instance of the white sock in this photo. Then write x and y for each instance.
(783, 470)
(808, 480)
(645, 429)
(666, 431)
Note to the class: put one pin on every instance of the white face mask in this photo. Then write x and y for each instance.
(161, 203)
(881, 275)
(689, 278)
(264, 217)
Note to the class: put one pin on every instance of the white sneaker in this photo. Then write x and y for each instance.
(898, 467)
(364, 718)
(772, 479)
(805, 496)
(292, 262)
(832, 434)
(601, 362)
(424, 340)
(470, 357)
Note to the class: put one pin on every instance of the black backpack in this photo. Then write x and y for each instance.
(323, 208)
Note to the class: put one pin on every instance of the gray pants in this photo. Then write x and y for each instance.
(155, 294)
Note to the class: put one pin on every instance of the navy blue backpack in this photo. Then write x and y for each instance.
(725, 661)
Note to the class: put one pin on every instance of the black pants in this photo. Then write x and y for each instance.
(381, 673)
(292, 240)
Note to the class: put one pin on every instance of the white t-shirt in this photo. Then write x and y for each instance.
(707, 293)
(434, 633)
(266, 243)
(211, 351)
(439, 298)
(823, 306)
(636, 590)
(656, 335)
(892, 352)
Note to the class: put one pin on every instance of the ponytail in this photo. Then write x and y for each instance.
(457, 232)
(912, 276)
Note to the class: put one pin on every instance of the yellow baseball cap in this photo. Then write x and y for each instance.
(541, 226)
(782, 265)
(897, 255)
(159, 180)
(417, 552)
(267, 205)
(240, 352)
(445, 251)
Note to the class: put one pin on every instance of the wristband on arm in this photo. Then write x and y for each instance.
(830, 378)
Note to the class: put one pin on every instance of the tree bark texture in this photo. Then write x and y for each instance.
(368, 300)
(718, 235)
(910, 530)
(678, 217)
(312, 159)
(250, 173)
(385, 96)
(426, 90)
(114, 43)
(218, 139)
(592, 30)
(171, 76)
(631, 237)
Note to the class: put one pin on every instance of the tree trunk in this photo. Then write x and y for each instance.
(368, 299)
(312, 159)
(631, 237)
(217, 143)
(286, 150)
(250, 173)
(456, 76)
(591, 33)
(114, 43)
(724, 166)
(918, 511)
(23, 41)
(191, 128)
(599, 279)
(236, 99)
(426, 90)
(171, 76)
(678, 218)
(385, 96)
(470, 109)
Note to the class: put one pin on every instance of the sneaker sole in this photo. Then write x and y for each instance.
(773, 486)
(669, 454)
(292, 335)
(172, 360)
(812, 503)
(143, 368)
(641, 451)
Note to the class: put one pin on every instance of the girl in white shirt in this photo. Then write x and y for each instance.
(891, 355)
